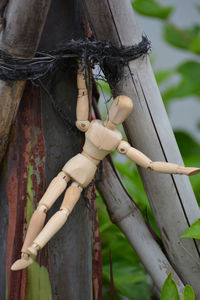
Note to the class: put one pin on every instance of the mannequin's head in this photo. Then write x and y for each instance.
(119, 110)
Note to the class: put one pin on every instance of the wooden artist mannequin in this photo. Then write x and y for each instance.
(101, 138)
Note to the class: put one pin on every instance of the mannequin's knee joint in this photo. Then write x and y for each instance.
(42, 207)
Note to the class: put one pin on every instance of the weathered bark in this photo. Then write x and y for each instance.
(126, 215)
(41, 144)
(20, 37)
(148, 129)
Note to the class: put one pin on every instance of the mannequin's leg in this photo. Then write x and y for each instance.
(72, 195)
(54, 190)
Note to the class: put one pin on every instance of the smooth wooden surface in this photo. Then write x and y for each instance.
(158, 166)
(128, 218)
(82, 107)
(120, 109)
(148, 129)
(24, 21)
(54, 190)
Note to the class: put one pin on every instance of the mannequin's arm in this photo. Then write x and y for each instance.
(82, 108)
(163, 167)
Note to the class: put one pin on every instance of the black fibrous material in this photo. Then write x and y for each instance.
(108, 56)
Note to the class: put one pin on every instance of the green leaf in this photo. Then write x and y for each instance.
(163, 75)
(188, 39)
(193, 231)
(189, 81)
(198, 7)
(188, 293)
(169, 290)
(187, 144)
(152, 8)
(103, 86)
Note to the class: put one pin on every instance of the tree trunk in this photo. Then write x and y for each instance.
(148, 129)
(24, 21)
(41, 145)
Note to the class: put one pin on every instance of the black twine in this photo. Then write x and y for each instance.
(108, 56)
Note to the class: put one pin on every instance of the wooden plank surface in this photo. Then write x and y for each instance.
(148, 129)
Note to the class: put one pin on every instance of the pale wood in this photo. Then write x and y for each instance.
(163, 167)
(82, 111)
(81, 169)
(99, 142)
(82, 77)
(91, 150)
(138, 157)
(148, 129)
(82, 125)
(119, 110)
(170, 168)
(53, 225)
(22, 263)
(72, 195)
(20, 37)
(82, 106)
(35, 226)
(126, 215)
(103, 138)
(55, 189)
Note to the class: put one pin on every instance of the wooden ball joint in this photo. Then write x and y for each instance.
(101, 138)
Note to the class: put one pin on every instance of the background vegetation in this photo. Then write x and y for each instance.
(130, 279)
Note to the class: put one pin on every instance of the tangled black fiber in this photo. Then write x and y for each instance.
(108, 56)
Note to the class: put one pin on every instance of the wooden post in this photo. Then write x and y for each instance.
(24, 21)
(148, 129)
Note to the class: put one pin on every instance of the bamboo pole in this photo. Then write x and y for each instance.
(24, 21)
(126, 215)
(148, 129)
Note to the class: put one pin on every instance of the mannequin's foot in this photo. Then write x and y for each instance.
(22, 263)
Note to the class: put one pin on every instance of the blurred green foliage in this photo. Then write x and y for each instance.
(189, 83)
(130, 279)
(184, 38)
(152, 8)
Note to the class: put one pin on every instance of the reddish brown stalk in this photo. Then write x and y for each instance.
(112, 287)
(26, 149)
